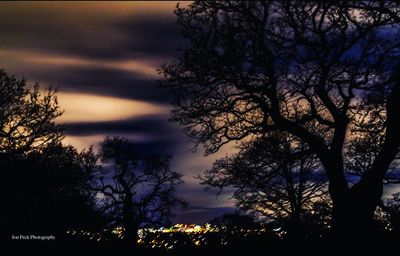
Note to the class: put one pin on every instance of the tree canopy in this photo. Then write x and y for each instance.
(274, 178)
(27, 116)
(139, 190)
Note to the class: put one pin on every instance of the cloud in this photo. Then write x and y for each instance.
(113, 83)
(149, 134)
(94, 31)
(149, 124)
(103, 57)
(90, 80)
(139, 67)
(108, 49)
(390, 189)
(199, 196)
(81, 107)
(147, 35)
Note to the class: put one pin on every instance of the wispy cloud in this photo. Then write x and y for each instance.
(80, 107)
(138, 66)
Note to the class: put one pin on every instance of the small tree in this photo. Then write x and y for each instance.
(275, 177)
(140, 190)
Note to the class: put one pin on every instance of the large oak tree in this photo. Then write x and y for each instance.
(249, 68)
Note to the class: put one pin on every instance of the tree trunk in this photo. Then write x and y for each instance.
(130, 235)
(353, 214)
(130, 224)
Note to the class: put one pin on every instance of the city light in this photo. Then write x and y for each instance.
(178, 235)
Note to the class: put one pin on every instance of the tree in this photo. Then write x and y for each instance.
(46, 184)
(274, 177)
(27, 119)
(140, 190)
(249, 68)
(47, 192)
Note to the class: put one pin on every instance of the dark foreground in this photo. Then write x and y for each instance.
(353, 246)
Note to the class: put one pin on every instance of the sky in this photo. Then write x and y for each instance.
(103, 57)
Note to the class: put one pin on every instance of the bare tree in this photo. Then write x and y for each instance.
(275, 177)
(141, 191)
(27, 118)
(249, 68)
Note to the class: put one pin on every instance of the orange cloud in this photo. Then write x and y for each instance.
(80, 107)
(139, 66)
(89, 9)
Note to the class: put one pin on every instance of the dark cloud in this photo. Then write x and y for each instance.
(108, 82)
(155, 135)
(57, 35)
(151, 35)
(88, 35)
(149, 124)
(101, 81)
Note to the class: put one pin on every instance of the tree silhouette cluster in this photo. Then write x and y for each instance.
(45, 187)
(307, 91)
(52, 189)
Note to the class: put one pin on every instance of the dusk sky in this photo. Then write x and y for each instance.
(103, 59)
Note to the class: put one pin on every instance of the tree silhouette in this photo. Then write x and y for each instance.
(47, 193)
(141, 191)
(46, 184)
(275, 177)
(249, 68)
(26, 117)
(367, 141)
